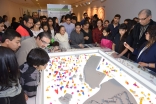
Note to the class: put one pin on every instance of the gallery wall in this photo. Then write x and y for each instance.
(12, 9)
(126, 8)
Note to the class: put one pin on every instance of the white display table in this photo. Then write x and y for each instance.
(143, 86)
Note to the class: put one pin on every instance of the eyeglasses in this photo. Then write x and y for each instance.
(30, 23)
(38, 24)
(141, 19)
(68, 20)
(45, 42)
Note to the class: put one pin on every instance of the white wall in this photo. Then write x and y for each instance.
(126, 8)
(12, 9)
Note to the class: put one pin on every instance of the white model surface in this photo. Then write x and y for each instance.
(65, 75)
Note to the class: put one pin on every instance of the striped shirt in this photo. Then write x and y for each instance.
(29, 79)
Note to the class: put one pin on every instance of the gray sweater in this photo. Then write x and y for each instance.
(25, 48)
(76, 39)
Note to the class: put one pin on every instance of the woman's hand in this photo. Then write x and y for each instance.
(143, 64)
(126, 45)
(81, 45)
(26, 97)
(97, 45)
(86, 37)
(115, 55)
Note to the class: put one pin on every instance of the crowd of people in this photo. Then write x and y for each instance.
(23, 46)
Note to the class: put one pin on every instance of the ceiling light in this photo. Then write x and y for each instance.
(36, 0)
(76, 5)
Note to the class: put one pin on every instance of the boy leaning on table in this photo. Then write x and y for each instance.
(36, 61)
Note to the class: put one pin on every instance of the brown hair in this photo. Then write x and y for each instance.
(152, 32)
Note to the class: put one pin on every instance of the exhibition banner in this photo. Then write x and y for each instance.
(57, 10)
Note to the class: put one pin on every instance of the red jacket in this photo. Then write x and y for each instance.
(23, 32)
(97, 35)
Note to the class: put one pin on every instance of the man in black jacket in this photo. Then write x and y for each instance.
(139, 30)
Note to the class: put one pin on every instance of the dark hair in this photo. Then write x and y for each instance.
(54, 22)
(24, 15)
(35, 20)
(84, 14)
(109, 36)
(124, 37)
(21, 19)
(44, 17)
(74, 18)
(72, 14)
(13, 19)
(61, 27)
(44, 34)
(40, 17)
(46, 24)
(135, 18)
(123, 26)
(127, 20)
(152, 32)
(100, 20)
(117, 15)
(107, 29)
(50, 18)
(37, 56)
(67, 17)
(130, 25)
(87, 19)
(10, 34)
(95, 16)
(63, 16)
(26, 18)
(55, 43)
(78, 24)
(1, 20)
(85, 22)
(9, 69)
(4, 16)
(106, 21)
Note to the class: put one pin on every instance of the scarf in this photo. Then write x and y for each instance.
(11, 91)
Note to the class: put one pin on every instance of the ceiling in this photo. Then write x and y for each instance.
(38, 4)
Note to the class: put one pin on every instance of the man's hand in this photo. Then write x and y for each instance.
(86, 37)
